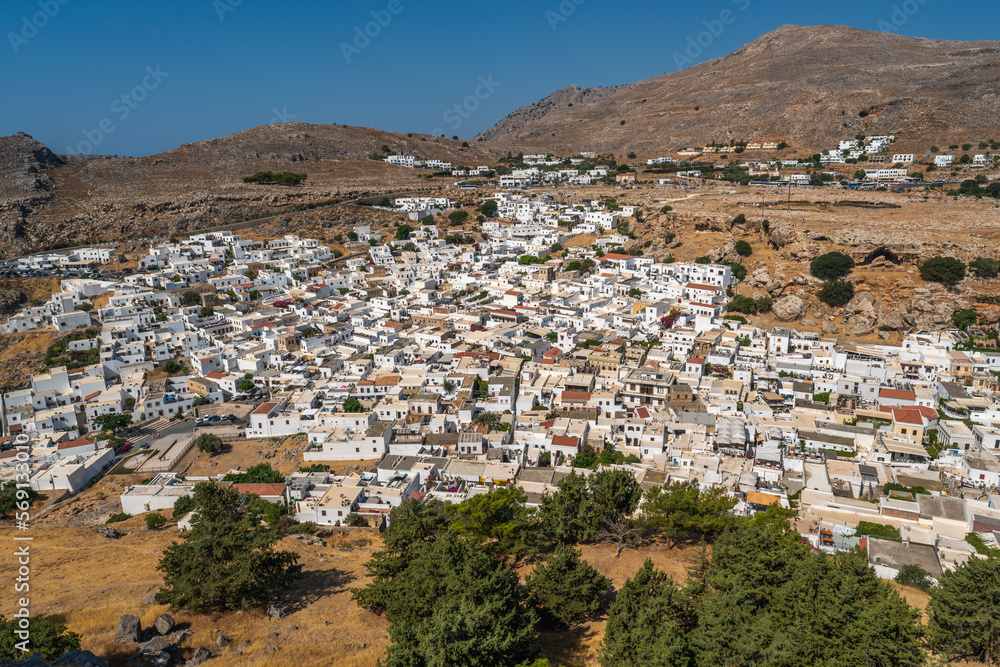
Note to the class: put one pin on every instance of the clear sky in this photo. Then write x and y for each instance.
(135, 77)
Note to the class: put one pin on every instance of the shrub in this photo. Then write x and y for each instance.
(739, 271)
(743, 248)
(155, 521)
(946, 270)
(984, 267)
(116, 518)
(876, 530)
(915, 576)
(831, 265)
(743, 304)
(963, 319)
(836, 293)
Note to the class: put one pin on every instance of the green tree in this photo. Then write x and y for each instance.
(965, 611)
(246, 383)
(985, 267)
(182, 506)
(13, 498)
(946, 270)
(352, 405)
(457, 217)
(190, 298)
(226, 561)
(914, 576)
(500, 515)
(831, 265)
(742, 304)
(262, 473)
(582, 504)
(403, 232)
(171, 366)
(208, 443)
(155, 521)
(963, 319)
(206, 311)
(48, 637)
(743, 248)
(836, 292)
(681, 510)
(566, 588)
(454, 604)
(113, 422)
(645, 623)
(488, 208)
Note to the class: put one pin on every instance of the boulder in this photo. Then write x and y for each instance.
(155, 645)
(222, 640)
(164, 624)
(151, 598)
(278, 610)
(862, 328)
(129, 629)
(830, 328)
(788, 308)
(79, 659)
(200, 656)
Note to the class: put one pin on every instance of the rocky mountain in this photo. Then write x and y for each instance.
(48, 200)
(811, 85)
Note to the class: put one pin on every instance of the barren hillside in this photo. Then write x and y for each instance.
(809, 84)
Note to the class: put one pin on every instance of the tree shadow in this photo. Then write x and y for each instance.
(570, 646)
(316, 584)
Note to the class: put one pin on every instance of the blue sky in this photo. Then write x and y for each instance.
(135, 77)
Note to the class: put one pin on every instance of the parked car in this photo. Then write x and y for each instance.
(124, 448)
(215, 418)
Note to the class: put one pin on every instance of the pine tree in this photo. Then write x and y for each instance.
(227, 561)
(643, 626)
(965, 611)
(565, 587)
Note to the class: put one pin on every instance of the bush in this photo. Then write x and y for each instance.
(739, 271)
(270, 178)
(458, 217)
(985, 268)
(915, 576)
(48, 637)
(743, 304)
(155, 521)
(116, 518)
(355, 520)
(743, 248)
(831, 265)
(836, 293)
(946, 270)
(876, 530)
(963, 319)
(190, 298)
